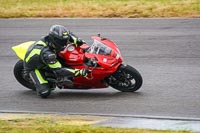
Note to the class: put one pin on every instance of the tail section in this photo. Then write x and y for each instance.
(21, 49)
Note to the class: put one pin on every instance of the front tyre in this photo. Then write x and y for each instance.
(18, 73)
(125, 79)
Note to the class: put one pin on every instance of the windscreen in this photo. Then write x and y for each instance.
(99, 48)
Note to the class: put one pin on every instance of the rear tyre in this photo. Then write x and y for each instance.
(18, 73)
(125, 79)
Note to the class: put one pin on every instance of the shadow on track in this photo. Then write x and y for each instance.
(84, 94)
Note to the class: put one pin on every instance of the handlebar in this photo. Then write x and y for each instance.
(90, 62)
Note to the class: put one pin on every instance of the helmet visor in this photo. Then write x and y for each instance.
(60, 44)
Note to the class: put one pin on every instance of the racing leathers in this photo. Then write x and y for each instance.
(41, 55)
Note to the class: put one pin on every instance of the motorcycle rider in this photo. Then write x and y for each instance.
(43, 53)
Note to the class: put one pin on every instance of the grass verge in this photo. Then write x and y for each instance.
(34, 123)
(99, 8)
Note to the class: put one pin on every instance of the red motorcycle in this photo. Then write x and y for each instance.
(102, 58)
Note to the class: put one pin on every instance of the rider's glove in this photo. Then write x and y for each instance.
(83, 72)
(80, 42)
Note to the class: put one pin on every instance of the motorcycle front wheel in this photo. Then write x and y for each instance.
(125, 79)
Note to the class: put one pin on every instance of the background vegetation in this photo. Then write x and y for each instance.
(47, 125)
(99, 8)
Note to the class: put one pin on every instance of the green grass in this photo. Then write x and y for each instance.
(99, 8)
(46, 125)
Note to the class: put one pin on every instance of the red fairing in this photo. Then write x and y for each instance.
(108, 43)
(106, 54)
(73, 55)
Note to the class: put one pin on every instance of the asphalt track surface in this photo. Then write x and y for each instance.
(165, 51)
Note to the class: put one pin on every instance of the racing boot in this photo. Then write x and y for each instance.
(41, 85)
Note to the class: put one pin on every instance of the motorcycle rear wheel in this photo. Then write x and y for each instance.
(125, 79)
(18, 73)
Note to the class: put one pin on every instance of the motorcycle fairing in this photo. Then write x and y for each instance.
(107, 56)
(21, 49)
